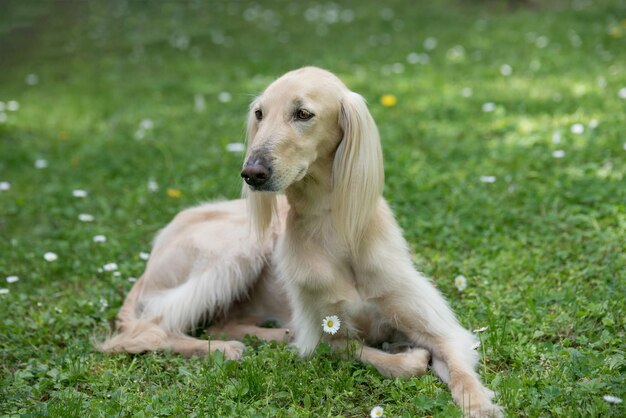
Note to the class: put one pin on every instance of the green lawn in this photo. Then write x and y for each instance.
(505, 163)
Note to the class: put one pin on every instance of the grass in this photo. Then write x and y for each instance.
(542, 247)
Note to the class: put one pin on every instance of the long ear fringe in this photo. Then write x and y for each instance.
(261, 205)
(358, 173)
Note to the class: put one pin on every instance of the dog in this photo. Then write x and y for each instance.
(312, 237)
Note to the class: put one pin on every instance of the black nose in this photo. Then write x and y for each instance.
(255, 173)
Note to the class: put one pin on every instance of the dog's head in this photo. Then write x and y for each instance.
(304, 117)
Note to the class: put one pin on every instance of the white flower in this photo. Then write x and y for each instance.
(235, 147)
(85, 217)
(41, 163)
(109, 267)
(556, 137)
(377, 412)
(4, 291)
(140, 134)
(542, 42)
(430, 43)
(489, 107)
(132, 279)
(31, 79)
(559, 153)
(331, 324)
(12, 279)
(482, 329)
(199, 103)
(3, 117)
(4, 186)
(2, 107)
(144, 255)
(460, 282)
(577, 128)
(506, 70)
(99, 238)
(466, 92)
(476, 345)
(153, 186)
(622, 93)
(612, 399)
(146, 124)
(50, 256)
(224, 97)
(79, 193)
(12, 105)
(593, 124)
(488, 179)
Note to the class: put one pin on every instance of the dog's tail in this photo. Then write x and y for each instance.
(134, 334)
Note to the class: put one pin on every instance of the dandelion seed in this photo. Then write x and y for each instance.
(488, 179)
(153, 186)
(41, 163)
(331, 324)
(235, 147)
(482, 329)
(85, 217)
(430, 43)
(12, 279)
(377, 412)
(174, 193)
(621, 93)
(224, 97)
(4, 186)
(13, 106)
(144, 256)
(388, 100)
(109, 267)
(4, 291)
(50, 256)
(612, 399)
(506, 70)
(475, 346)
(559, 153)
(79, 193)
(99, 238)
(460, 282)
(577, 128)
(489, 107)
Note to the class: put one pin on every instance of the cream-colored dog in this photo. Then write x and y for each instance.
(329, 246)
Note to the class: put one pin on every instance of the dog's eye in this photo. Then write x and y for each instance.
(258, 114)
(303, 114)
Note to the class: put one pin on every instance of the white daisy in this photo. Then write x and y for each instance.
(556, 137)
(224, 97)
(31, 79)
(476, 345)
(488, 179)
(621, 93)
(235, 147)
(109, 267)
(482, 329)
(489, 107)
(79, 193)
(146, 124)
(4, 291)
(331, 324)
(85, 217)
(153, 186)
(506, 70)
(4, 186)
(577, 128)
(593, 124)
(199, 103)
(559, 153)
(612, 399)
(41, 163)
(430, 43)
(377, 412)
(466, 92)
(99, 238)
(144, 255)
(50, 256)
(12, 106)
(12, 279)
(460, 282)
(132, 279)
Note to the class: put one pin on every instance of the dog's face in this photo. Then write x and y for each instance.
(290, 126)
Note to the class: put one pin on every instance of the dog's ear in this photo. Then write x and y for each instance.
(358, 174)
(261, 205)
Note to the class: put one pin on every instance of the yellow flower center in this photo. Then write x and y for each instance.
(330, 324)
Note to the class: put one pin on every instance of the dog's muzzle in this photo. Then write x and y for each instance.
(256, 172)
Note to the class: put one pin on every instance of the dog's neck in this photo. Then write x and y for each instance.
(311, 196)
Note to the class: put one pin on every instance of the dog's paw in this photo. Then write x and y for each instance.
(233, 350)
(407, 364)
(483, 410)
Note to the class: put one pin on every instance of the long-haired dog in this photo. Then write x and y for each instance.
(313, 238)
